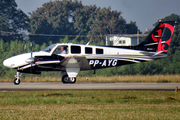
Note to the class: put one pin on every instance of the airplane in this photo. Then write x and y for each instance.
(71, 58)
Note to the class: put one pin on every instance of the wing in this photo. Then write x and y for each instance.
(39, 64)
(79, 62)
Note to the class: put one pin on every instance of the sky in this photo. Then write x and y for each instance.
(144, 12)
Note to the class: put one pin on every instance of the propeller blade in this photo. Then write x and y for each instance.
(31, 48)
(31, 57)
(25, 48)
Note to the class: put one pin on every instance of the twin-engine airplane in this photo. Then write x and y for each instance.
(71, 58)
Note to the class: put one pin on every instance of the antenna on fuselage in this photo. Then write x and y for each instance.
(88, 42)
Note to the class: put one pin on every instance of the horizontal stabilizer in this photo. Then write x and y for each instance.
(156, 43)
(157, 53)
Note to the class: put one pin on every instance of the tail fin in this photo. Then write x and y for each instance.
(159, 39)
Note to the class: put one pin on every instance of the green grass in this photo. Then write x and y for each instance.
(89, 104)
(120, 78)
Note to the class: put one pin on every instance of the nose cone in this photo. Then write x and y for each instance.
(8, 63)
(16, 61)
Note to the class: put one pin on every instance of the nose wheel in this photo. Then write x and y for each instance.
(17, 80)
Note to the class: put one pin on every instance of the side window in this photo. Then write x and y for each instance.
(88, 50)
(99, 51)
(61, 50)
(75, 49)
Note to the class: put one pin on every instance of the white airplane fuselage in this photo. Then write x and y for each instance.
(72, 58)
(106, 57)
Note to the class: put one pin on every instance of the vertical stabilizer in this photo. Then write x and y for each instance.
(159, 39)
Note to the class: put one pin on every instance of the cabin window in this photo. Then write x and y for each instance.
(124, 42)
(99, 51)
(61, 50)
(49, 48)
(75, 49)
(88, 50)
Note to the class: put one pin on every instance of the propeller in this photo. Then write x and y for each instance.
(25, 38)
(31, 60)
(31, 48)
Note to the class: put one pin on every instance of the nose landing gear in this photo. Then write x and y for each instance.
(17, 80)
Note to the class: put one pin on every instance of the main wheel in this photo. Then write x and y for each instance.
(72, 80)
(17, 81)
(65, 79)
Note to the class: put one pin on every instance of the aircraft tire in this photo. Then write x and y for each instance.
(17, 81)
(65, 79)
(72, 80)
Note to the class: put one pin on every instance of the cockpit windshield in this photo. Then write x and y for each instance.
(49, 48)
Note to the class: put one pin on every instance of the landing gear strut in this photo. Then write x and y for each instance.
(17, 80)
(66, 79)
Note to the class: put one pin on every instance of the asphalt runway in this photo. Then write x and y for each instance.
(89, 86)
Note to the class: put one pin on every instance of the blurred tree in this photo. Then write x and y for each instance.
(55, 18)
(83, 19)
(12, 20)
(72, 18)
(105, 21)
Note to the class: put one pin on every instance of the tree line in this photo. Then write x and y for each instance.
(75, 23)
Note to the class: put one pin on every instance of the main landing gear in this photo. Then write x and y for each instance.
(17, 80)
(66, 79)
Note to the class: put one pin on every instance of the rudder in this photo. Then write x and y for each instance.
(159, 38)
